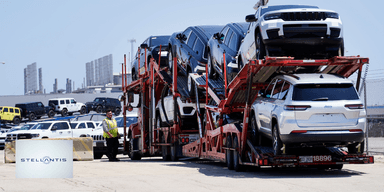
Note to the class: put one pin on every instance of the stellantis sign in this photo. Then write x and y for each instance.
(44, 158)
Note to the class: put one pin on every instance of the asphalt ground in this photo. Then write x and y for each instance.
(153, 174)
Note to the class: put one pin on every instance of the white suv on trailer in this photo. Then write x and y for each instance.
(301, 31)
(309, 110)
(67, 106)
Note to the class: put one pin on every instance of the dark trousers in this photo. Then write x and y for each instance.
(112, 147)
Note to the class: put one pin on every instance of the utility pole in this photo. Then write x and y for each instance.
(131, 59)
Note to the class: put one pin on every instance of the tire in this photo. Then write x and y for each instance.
(255, 135)
(229, 153)
(99, 109)
(51, 113)
(32, 117)
(134, 76)
(191, 86)
(97, 155)
(83, 110)
(260, 47)
(174, 156)
(276, 141)
(211, 68)
(236, 156)
(16, 121)
(133, 146)
(338, 166)
(64, 112)
(117, 111)
(354, 148)
(170, 62)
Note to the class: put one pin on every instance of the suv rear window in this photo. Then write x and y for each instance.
(311, 92)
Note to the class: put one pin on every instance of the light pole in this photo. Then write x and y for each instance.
(131, 41)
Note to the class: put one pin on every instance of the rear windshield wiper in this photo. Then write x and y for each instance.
(320, 99)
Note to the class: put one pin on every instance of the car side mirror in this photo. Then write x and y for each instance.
(54, 128)
(262, 93)
(250, 18)
(144, 46)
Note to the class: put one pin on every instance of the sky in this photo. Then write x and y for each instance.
(62, 36)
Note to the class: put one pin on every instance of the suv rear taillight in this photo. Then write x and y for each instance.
(354, 106)
(296, 107)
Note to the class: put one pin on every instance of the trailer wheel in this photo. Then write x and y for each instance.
(338, 166)
(236, 160)
(174, 156)
(132, 147)
(354, 148)
(277, 144)
(229, 153)
(97, 155)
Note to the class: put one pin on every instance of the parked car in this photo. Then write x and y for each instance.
(82, 128)
(99, 143)
(102, 104)
(152, 44)
(311, 110)
(10, 114)
(3, 134)
(43, 130)
(67, 106)
(226, 41)
(301, 31)
(26, 126)
(33, 110)
(189, 48)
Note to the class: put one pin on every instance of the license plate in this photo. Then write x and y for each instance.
(315, 159)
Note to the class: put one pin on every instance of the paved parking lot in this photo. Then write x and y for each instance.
(153, 174)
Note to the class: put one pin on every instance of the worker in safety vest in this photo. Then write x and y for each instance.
(111, 135)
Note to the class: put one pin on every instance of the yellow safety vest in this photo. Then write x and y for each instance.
(112, 128)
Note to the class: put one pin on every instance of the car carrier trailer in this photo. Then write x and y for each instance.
(219, 140)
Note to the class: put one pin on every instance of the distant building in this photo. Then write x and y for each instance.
(41, 88)
(117, 78)
(100, 71)
(30, 79)
(68, 87)
(55, 86)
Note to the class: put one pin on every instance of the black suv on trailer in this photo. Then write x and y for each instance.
(102, 104)
(33, 110)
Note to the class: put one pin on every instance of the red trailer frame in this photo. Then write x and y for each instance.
(229, 143)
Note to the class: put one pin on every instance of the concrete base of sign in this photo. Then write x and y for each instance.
(82, 149)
